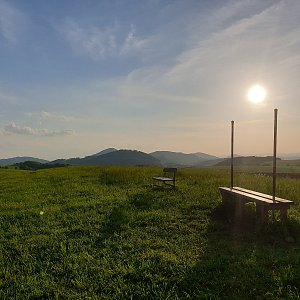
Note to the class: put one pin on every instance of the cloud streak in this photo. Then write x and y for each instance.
(12, 22)
(26, 130)
(51, 116)
(173, 68)
(99, 43)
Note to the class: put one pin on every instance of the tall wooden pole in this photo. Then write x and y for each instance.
(274, 157)
(231, 171)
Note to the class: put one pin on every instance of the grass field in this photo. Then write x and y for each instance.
(283, 166)
(103, 233)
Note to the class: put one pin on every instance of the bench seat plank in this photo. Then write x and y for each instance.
(163, 181)
(162, 178)
(246, 196)
(277, 199)
(256, 195)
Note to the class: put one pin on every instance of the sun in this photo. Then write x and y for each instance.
(257, 93)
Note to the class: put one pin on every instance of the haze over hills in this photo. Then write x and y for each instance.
(248, 160)
(205, 156)
(113, 156)
(182, 159)
(289, 156)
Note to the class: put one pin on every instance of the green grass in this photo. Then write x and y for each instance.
(103, 233)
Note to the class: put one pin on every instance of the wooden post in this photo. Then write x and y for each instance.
(274, 159)
(231, 170)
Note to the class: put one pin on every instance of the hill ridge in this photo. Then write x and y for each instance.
(20, 159)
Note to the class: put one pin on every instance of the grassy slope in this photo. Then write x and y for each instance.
(283, 166)
(104, 234)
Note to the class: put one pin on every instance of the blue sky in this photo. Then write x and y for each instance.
(80, 76)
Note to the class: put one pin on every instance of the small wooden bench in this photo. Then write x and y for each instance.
(237, 197)
(164, 181)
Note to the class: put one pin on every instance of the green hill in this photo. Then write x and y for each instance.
(20, 159)
(169, 158)
(33, 165)
(105, 151)
(114, 158)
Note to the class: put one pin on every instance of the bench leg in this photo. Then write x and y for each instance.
(262, 212)
(283, 214)
(171, 184)
(239, 209)
(155, 184)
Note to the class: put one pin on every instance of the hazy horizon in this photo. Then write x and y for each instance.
(286, 156)
(79, 76)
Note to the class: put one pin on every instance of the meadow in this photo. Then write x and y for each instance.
(283, 167)
(103, 233)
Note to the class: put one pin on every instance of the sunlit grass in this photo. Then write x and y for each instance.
(103, 233)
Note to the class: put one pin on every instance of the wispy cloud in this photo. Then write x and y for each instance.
(253, 47)
(94, 42)
(26, 130)
(12, 22)
(213, 75)
(132, 43)
(46, 115)
(98, 43)
(51, 116)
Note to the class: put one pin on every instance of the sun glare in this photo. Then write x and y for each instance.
(257, 93)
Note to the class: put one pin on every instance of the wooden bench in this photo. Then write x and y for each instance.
(237, 197)
(164, 181)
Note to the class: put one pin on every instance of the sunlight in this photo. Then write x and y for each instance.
(256, 94)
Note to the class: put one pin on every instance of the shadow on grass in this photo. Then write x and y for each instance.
(250, 226)
(229, 259)
(245, 260)
(153, 199)
(115, 223)
(126, 215)
(142, 201)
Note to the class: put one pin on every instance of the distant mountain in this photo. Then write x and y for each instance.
(205, 157)
(123, 158)
(248, 160)
(108, 150)
(169, 158)
(20, 159)
(69, 161)
(114, 158)
(209, 163)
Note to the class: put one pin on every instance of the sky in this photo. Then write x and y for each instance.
(79, 76)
